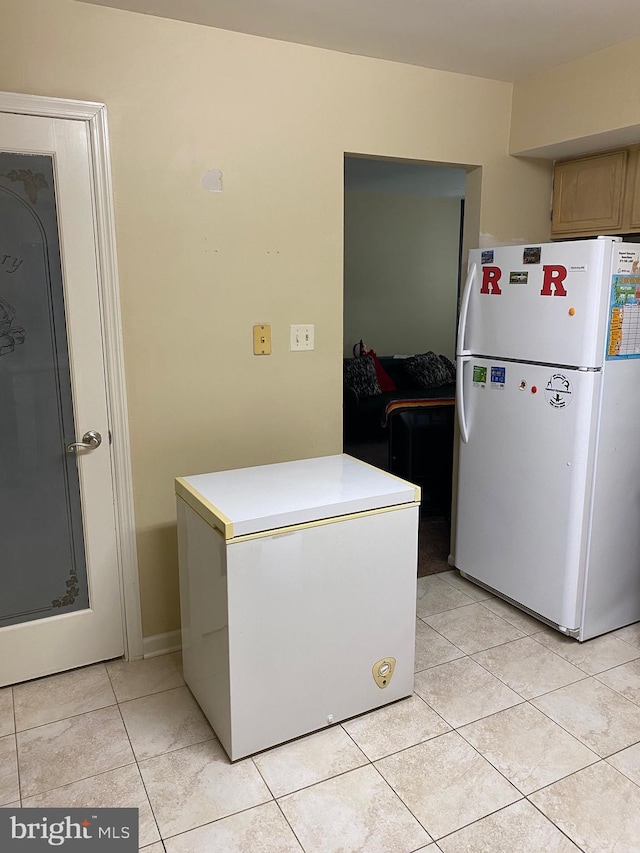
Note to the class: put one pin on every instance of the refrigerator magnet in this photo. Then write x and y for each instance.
(628, 262)
(498, 378)
(558, 391)
(479, 376)
(487, 256)
(531, 255)
(518, 277)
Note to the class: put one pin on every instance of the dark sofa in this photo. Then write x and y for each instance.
(364, 413)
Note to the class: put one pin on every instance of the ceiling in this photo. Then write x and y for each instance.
(500, 39)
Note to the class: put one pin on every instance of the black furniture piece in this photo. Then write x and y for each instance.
(364, 417)
(421, 451)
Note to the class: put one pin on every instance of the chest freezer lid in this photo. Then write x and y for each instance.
(269, 497)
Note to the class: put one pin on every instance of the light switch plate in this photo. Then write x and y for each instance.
(302, 337)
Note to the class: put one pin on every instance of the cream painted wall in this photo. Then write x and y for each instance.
(197, 269)
(400, 272)
(593, 101)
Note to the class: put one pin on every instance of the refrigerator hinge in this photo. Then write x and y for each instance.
(569, 632)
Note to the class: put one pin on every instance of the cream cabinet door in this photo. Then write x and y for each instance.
(588, 195)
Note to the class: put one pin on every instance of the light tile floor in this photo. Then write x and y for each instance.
(517, 740)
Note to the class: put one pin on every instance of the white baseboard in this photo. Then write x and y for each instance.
(162, 644)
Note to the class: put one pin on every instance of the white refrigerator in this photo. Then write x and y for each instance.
(548, 404)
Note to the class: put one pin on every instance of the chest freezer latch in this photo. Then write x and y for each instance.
(383, 671)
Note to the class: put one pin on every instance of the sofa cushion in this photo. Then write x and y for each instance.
(430, 370)
(360, 375)
(395, 369)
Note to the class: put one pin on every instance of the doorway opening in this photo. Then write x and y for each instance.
(403, 241)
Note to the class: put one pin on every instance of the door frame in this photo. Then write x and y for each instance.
(95, 116)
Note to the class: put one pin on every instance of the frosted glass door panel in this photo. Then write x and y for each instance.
(42, 560)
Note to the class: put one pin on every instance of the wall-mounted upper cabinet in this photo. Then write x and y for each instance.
(634, 184)
(599, 194)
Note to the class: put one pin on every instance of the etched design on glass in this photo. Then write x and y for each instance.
(43, 569)
(32, 183)
(73, 591)
(10, 333)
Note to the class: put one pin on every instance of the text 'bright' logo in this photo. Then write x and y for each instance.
(55, 833)
(70, 830)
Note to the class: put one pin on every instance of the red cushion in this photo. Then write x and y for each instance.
(386, 382)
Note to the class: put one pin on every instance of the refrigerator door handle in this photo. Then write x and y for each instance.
(461, 360)
(464, 311)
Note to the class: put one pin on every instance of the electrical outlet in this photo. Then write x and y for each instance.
(262, 340)
(302, 338)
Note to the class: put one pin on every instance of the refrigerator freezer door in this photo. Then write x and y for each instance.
(545, 304)
(524, 481)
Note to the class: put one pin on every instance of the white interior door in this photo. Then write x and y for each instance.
(61, 604)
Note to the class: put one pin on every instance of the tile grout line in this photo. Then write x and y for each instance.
(82, 779)
(553, 823)
(581, 681)
(590, 674)
(320, 781)
(395, 793)
(522, 795)
(70, 717)
(538, 695)
(468, 654)
(275, 800)
(598, 760)
(15, 741)
(617, 768)
(144, 787)
(220, 819)
(286, 819)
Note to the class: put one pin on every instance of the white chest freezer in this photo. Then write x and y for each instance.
(298, 595)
